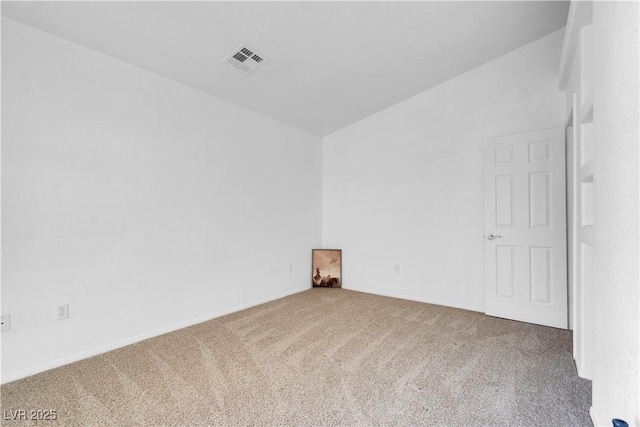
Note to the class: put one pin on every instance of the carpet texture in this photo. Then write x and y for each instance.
(323, 357)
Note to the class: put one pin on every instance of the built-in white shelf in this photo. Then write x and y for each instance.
(586, 109)
(586, 143)
(586, 234)
(586, 172)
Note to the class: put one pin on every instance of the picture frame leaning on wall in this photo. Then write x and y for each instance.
(326, 268)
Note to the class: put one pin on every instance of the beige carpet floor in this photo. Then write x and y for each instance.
(323, 357)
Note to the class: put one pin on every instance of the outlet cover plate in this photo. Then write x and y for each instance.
(63, 311)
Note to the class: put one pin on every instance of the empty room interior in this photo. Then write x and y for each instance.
(320, 213)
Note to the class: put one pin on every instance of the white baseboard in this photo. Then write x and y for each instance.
(582, 371)
(594, 417)
(413, 298)
(132, 340)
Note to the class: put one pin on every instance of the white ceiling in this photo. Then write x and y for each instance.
(330, 63)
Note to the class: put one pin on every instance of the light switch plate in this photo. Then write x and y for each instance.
(6, 322)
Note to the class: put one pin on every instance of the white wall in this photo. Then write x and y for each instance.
(404, 186)
(616, 381)
(144, 204)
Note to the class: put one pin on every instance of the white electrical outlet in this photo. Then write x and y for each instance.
(397, 268)
(63, 311)
(290, 266)
(6, 322)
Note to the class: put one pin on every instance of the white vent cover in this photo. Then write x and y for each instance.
(245, 59)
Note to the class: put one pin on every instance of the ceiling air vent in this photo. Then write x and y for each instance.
(245, 59)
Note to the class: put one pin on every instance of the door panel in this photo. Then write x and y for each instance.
(539, 200)
(525, 228)
(505, 269)
(540, 274)
(504, 201)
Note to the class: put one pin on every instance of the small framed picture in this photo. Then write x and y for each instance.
(326, 268)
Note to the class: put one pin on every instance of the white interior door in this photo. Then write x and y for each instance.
(525, 228)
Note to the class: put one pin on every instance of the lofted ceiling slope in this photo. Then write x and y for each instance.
(329, 64)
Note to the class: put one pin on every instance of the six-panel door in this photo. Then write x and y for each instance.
(525, 228)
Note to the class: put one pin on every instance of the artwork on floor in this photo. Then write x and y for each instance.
(327, 268)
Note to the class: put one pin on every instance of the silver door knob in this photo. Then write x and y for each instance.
(493, 236)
